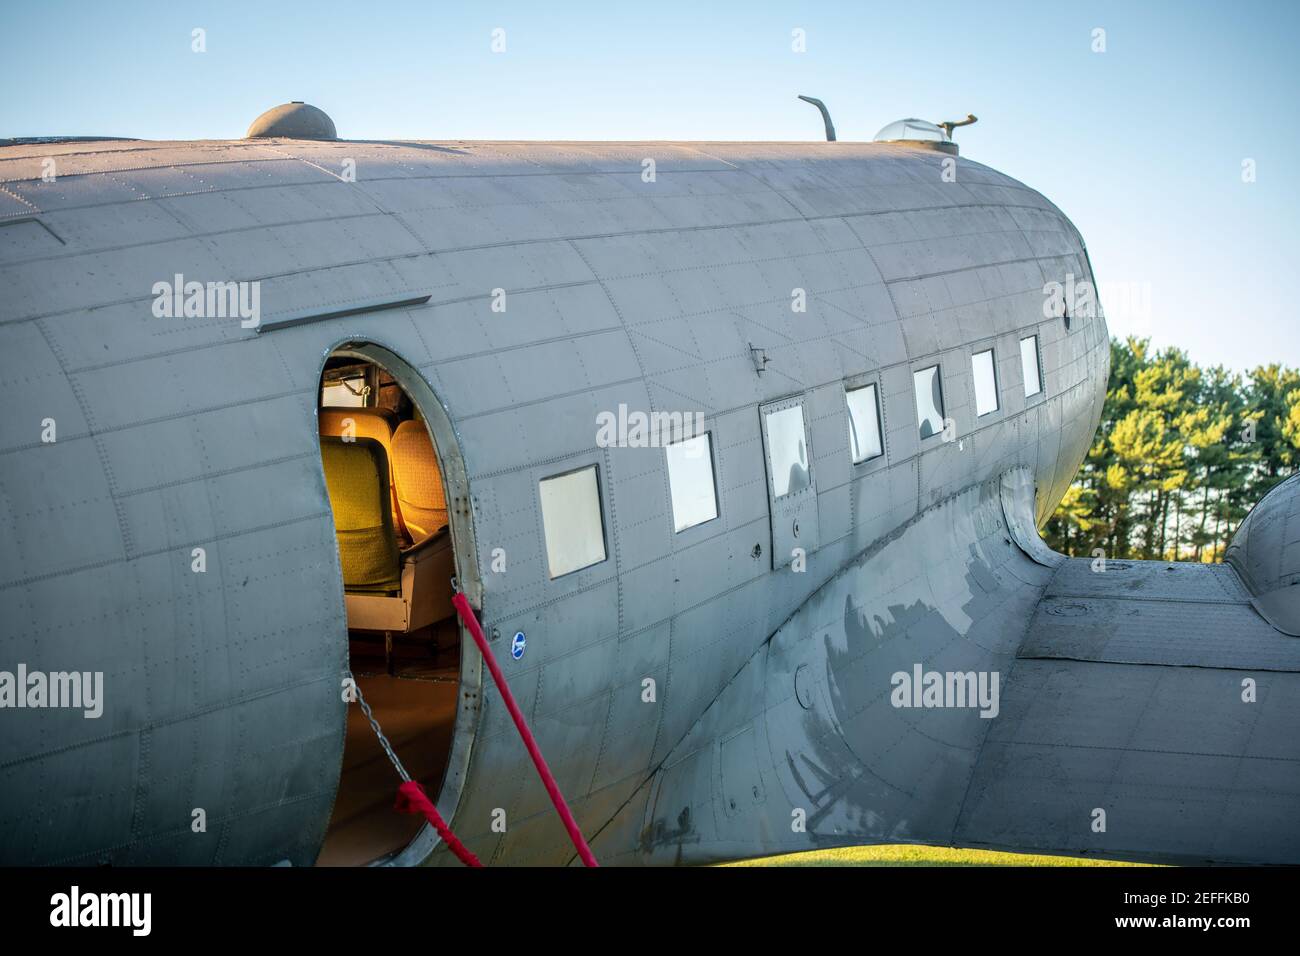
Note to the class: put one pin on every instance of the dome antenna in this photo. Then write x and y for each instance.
(826, 116)
(294, 120)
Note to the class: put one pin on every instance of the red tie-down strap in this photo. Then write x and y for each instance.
(411, 798)
(471, 623)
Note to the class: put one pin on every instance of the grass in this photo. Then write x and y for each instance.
(909, 855)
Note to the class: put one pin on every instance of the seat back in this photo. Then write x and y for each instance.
(356, 474)
(376, 423)
(420, 494)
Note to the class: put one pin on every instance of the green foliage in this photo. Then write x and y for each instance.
(1180, 456)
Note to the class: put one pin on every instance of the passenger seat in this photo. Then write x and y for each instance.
(420, 495)
(376, 423)
(386, 590)
(356, 475)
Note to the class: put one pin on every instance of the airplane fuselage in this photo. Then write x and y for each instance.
(557, 284)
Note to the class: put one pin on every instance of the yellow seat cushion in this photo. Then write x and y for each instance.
(376, 423)
(356, 474)
(420, 493)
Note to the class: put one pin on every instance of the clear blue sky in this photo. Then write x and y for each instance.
(1141, 145)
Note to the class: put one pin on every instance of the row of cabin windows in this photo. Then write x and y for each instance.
(572, 520)
(929, 387)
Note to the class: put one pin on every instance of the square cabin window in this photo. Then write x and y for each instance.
(690, 481)
(929, 401)
(572, 521)
(1029, 365)
(787, 451)
(864, 423)
(986, 382)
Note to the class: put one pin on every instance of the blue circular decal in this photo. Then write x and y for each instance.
(517, 645)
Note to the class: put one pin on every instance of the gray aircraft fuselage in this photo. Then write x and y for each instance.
(772, 634)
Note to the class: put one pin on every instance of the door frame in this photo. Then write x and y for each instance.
(460, 517)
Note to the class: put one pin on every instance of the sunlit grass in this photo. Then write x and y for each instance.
(908, 855)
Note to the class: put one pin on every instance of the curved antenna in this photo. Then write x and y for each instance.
(951, 125)
(826, 116)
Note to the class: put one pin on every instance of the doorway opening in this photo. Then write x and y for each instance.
(394, 477)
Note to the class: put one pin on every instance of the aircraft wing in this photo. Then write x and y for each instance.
(1153, 692)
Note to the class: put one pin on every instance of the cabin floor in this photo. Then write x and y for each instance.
(416, 707)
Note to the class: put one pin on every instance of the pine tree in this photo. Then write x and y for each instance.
(1272, 393)
(1180, 457)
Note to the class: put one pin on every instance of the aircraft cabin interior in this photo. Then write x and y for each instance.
(389, 501)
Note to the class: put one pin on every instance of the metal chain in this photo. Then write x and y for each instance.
(374, 725)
